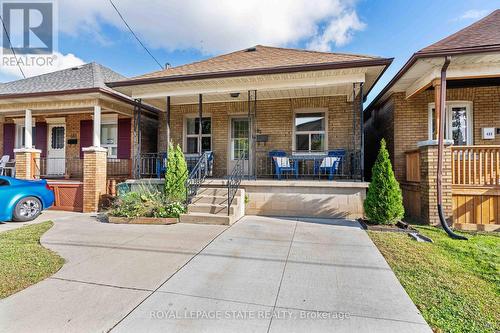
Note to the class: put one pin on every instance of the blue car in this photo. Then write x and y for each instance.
(23, 200)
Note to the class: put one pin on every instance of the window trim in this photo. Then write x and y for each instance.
(110, 121)
(185, 136)
(451, 104)
(294, 132)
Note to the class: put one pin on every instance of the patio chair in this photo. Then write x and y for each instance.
(329, 166)
(282, 165)
(3, 164)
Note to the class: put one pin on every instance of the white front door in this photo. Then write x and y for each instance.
(56, 150)
(239, 146)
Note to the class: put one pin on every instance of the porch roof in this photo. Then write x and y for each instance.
(474, 52)
(277, 72)
(73, 88)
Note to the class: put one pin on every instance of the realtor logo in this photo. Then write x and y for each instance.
(29, 26)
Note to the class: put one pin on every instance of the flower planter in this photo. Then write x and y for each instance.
(142, 220)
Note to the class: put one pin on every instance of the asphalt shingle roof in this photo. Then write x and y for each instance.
(91, 75)
(485, 32)
(258, 57)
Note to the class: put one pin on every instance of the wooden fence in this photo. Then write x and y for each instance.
(413, 166)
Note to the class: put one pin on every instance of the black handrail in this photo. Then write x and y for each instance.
(233, 183)
(197, 177)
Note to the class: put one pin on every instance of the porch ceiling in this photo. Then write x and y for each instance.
(425, 70)
(268, 86)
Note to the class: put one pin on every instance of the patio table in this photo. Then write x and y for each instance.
(304, 164)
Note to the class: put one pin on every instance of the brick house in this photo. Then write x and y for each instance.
(254, 101)
(46, 121)
(403, 114)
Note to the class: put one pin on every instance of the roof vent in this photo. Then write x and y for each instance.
(76, 68)
(251, 49)
(167, 65)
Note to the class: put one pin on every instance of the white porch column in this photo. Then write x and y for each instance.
(97, 126)
(28, 130)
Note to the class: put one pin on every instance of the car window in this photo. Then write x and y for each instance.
(3, 182)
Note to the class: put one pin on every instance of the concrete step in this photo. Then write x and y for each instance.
(211, 209)
(215, 191)
(213, 199)
(205, 218)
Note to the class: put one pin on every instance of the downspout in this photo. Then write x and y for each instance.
(441, 115)
(362, 133)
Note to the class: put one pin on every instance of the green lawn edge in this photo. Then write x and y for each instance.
(23, 260)
(455, 284)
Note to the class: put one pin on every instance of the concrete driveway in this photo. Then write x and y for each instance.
(259, 275)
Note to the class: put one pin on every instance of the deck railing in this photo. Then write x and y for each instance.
(307, 163)
(476, 165)
(413, 166)
(59, 167)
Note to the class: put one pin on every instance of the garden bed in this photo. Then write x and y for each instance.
(142, 220)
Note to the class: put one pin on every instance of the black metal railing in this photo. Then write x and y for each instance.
(233, 183)
(154, 165)
(305, 165)
(197, 176)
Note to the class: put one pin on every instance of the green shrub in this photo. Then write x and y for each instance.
(146, 201)
(384, 201)
(176, 174)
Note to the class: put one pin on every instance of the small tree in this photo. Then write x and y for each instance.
(384, 201)
(176, 174)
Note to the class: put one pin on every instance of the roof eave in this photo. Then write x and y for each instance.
(428, 54)
(80, 91)
(259, 71)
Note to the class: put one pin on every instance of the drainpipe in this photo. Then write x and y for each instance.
(441, 115)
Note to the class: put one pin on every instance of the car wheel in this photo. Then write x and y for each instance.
(27, 209)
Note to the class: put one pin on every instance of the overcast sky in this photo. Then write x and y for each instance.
(182, 31)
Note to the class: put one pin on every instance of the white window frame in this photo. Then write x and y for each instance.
(185, 136)
(324, 132)
(20, 131)
(448, 130)
(111, 119)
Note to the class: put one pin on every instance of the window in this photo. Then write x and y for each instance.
(21, 140)
(109, 138)
(310, 131)
(57, 138)
(458, 123)
(192, 129)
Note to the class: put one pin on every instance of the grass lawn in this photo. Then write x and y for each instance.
(23, 261)
(455, 284)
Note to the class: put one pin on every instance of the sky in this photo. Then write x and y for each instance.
(182, 31)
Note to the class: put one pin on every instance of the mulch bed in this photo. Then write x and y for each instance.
(398, 227)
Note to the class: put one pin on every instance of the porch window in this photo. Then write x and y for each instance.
(21, 141)
(109, 138)
(309, 131)
(192, 128)
(458, 124)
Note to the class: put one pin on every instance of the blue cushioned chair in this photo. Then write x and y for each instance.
(282, 164)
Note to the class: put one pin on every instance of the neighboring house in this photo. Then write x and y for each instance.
(403, 114)
(54, 115)
(258, 100)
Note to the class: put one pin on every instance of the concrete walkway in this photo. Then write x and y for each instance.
(259, 275)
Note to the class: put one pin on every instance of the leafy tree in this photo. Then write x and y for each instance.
(176, 174)
(384, 201)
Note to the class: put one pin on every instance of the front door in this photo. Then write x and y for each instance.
(56, 150)
(239, 145)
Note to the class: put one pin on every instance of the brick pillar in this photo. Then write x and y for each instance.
(94, 177)
(428, 184)
(27, 163)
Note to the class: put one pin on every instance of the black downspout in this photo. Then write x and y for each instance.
(362, 130)
(167, 116)
(441, 115)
